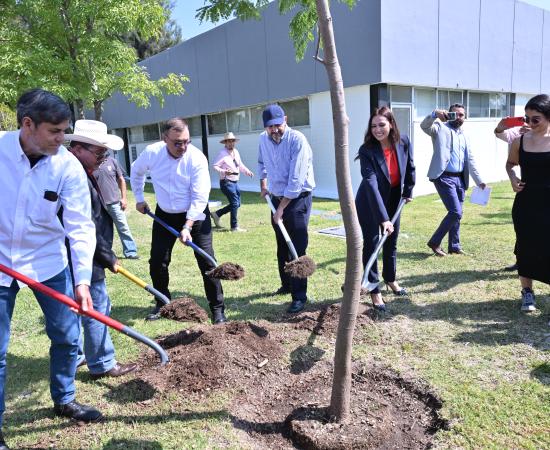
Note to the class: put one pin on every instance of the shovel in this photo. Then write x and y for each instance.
(224, 271)
(365, 284)
(158, 295)
(299, 267)
(106, 320)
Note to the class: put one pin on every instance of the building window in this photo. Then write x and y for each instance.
(194, 124)
(151, 132)
(485, 104)
(217, 124)
(424, 102)
(400, 94)
(238, 121)
(256, 121)
(297, 112)
(447, 98)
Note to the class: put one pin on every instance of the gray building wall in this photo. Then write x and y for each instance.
(489, 45)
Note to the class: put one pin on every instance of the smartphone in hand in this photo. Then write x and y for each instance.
(514, 122)
(451, 115)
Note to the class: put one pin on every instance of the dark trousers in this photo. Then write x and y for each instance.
(371, 237)
(162, 244)
(233, 193)
(451, 190)
(295, 220)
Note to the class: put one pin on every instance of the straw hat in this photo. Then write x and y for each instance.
(228, 137)
(95, 133)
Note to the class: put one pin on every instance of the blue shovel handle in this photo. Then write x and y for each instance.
(191, 244)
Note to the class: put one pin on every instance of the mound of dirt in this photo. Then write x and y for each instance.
(387, 411)
(324, 321)
(184, 309)
(213, 357)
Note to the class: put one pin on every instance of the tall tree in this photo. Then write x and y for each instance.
(312, 14)
(74, 48)
(168, 37)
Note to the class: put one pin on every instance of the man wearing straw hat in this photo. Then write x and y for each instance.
(229, 165)
(37, 177)
(285, 168)
(90, 143)
(179, 172)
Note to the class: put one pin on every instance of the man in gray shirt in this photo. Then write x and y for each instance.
(110, 179)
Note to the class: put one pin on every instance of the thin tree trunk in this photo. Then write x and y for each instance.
(98, 110)
(341, 385)
(80, 108)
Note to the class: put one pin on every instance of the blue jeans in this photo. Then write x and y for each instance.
(63, 329)
(98, 346)
(129, 247)
(233, 193)
(451, 191)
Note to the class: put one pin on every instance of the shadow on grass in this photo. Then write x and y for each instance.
(445, 281)
(23, 418)
(132, 444)
(542, 373)
(494, 322)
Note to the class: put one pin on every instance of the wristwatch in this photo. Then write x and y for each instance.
(187, 227)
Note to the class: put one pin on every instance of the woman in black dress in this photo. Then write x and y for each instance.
(531, 210)
(388, 171)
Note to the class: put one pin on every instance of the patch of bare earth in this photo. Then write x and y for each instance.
(184, 309)
(281, 405)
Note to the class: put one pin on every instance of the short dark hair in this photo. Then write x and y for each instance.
(457, 105)
(42, 106)
(172, 123)
(541, 104)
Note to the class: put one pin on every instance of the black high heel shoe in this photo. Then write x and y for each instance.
(378, 307)
(400, 293)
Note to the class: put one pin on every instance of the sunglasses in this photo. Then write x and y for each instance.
(99, 156)
(180, 143)
(532, 120)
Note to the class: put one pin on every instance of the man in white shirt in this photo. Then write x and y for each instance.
(37, 177)
(181, 180)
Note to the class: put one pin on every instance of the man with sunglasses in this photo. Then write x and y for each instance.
(181, 180)
(38, 176)
(450, 169)
(90, 143)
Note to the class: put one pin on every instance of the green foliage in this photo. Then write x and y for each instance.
(74, 48)
(8, 118)
(302, 25)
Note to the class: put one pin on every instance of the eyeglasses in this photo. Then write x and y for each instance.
(178, 143)
(532, 120)
(99, 156)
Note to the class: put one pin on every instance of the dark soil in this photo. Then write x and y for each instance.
(280, 401)
(303, 267)
(324, 321)
(184, 309)
(227, 271)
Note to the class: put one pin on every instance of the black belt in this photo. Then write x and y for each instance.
(229, 181)
(302, 195)
(453, 174)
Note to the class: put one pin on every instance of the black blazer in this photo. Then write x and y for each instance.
(104, 256)
(374, 192)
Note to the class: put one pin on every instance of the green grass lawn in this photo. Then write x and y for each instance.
(461, 330)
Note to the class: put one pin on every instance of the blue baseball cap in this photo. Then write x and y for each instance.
(273, 115)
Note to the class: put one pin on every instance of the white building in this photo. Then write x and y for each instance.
(490, 55)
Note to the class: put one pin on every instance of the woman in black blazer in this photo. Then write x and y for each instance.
(388, 171)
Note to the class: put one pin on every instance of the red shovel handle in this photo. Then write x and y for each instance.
(93, 314)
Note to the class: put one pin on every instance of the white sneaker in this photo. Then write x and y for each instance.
(216, 219)
(527, 300)
(238, 230)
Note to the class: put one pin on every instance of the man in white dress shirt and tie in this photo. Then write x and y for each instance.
(181, 180)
